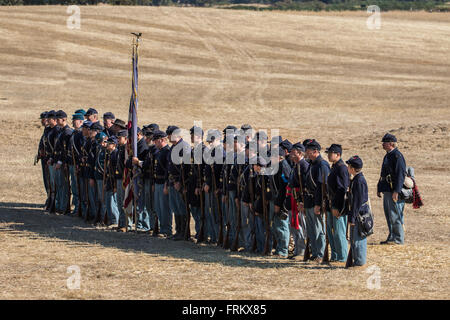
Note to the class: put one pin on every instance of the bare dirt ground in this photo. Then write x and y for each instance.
(309, 75)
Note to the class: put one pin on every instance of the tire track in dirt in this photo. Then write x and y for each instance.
(224, 67)
(240, 49)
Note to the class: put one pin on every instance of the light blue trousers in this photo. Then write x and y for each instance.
(62, 189)
(298, 235)
(393, 212)
(359, 246)
(149, 203)
(315, 233)
(337, 229)
(176, 205)
(162, 210)
(74, 189)
(92, 200)
(281, 235)
(143, 216)
(101, 203)
(122, 216)
(212, 217)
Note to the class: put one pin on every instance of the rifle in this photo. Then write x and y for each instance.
(235, 245)
(323, 209)
(219, 208)
(187, 229)
(267, 249)
(77, 181)
(69, 193)
(201, 233)
(349, 262)
(52, 208)
(152, 204)
(307, 254)
(252, 201)
(105, 181)
(226, 242)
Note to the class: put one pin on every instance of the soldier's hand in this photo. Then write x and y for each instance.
(317, 210)
(58, 166)
(197, 191)
(177, 186)
(276, 209)
(92, 183)
(49, 162)
(166, 190)
(379, 194)
(206, 188)
(395, 196)
(300, 206)
(335, 213)
(135, 161)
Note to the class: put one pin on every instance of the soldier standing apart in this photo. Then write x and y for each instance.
(41, 155)
(358, 203)
(393, 172)
(318, 171)
(161, 199)
(118, 163)
(338, 182)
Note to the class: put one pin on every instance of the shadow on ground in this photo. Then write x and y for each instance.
(23, 219)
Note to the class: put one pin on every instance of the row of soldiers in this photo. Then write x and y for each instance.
(243, 192)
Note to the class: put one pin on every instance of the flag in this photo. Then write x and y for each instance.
(131, 149)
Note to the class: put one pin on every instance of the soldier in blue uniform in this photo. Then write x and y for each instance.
(338, 183)
(302, 200)
(392, 177)
(143, 217)
(61, 159)
(108, 122)
(84, 169)
(278, 181)
(41, 155)
(213, 168)
(92, 147)
(179, 150)
(358, 203)
(148, 167)
(112, 210)
(74, 159)
(53, 132)
(125, 222)
(318, 172)
(196, 181)
(161, 198)
(99, 176)
(92, 115)
(236, 170)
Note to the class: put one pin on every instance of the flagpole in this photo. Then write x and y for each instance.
(134, 95)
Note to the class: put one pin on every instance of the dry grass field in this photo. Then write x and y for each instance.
(321, 75)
